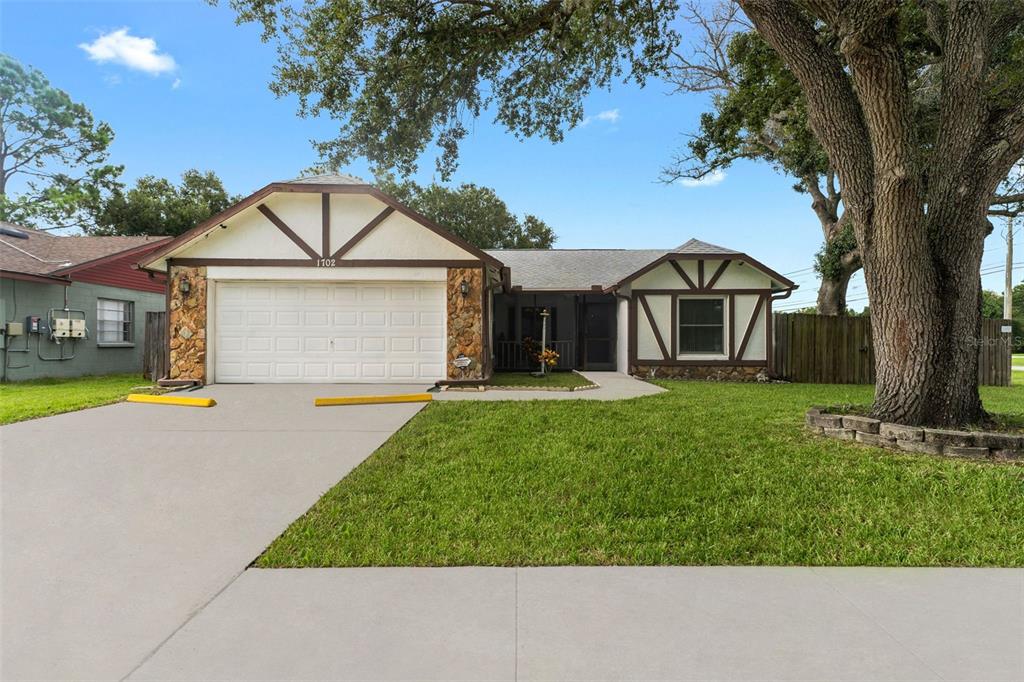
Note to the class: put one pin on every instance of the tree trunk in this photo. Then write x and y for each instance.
(921, 243)
(832, 294)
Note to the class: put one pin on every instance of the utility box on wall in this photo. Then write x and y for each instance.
(67, 328)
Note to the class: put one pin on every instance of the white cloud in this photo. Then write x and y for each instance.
(710, 180)
(609, 116)
(118, 47)
(176, 84)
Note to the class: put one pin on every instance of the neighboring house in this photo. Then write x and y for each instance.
(74, 305)
(329, 279)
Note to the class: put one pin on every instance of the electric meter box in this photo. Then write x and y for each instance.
(68, 328)
(34, 324)
(61, 327)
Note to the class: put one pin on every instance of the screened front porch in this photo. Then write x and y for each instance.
(580, 329)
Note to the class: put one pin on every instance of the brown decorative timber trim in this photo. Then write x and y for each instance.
(718, 273)
(316, 188)
(700, 274)
(682, 273)
(733, 256)
(362, 233)
(750, 326)
(485, 315)
(674, 330)
(769, 334)
(654, 327)
(732, 327)
(325, 211)
(703, 292)
(288, 232)
(351, 263)
(702, 363)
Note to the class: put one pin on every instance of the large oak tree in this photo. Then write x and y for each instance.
(920, 218)
(399, 74)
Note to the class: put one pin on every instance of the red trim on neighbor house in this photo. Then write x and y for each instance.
(30, 277)
(119, 270)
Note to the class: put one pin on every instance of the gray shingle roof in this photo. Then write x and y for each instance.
(328, 179)
(573, 268)
(581, 269)
(44, 253)
(697, 247)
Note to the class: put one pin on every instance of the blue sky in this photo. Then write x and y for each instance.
(199, 98)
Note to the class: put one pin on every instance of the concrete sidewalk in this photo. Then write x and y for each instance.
(575, 623)
(613, 386)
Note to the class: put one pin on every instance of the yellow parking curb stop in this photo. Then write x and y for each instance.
(170, 400)
(374, 399)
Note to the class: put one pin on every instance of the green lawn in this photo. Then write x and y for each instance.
(1018, 360)
(707, 473)
(551, 380)
(42, 397)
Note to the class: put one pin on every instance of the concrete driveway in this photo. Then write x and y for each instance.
(120, 522)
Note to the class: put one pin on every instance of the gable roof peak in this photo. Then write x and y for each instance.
(696, 246)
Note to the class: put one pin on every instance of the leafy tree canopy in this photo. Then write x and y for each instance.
(54, 147)
(159, 207)
(399, 74)
(477, 214)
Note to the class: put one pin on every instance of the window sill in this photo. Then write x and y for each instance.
(115, 345)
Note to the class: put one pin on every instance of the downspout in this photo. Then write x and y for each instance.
(770, 330)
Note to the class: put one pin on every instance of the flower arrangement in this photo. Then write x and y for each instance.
(536, 354)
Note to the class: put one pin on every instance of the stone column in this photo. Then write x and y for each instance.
(186, 324)
(466, 324)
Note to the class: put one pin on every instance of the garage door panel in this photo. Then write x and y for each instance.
(431, 319)
(346, 319)
(288, 332)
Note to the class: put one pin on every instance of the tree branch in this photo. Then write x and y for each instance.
(834, 112)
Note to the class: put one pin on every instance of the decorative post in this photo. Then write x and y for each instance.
(544, 315)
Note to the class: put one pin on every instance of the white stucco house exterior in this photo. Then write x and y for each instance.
(327, 279)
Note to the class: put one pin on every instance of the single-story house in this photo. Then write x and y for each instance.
(74, 305)
(328, 279)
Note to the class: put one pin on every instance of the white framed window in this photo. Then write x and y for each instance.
(701, 326)
(114, 321)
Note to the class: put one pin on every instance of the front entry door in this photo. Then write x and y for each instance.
(598, 338)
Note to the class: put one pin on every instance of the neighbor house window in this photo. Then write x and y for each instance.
(701, 325)
(114, 321)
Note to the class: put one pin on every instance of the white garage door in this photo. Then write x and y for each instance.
(288, 332)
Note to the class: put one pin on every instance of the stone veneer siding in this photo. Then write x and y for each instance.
(466, 324)
(187, 324)
(702, 372)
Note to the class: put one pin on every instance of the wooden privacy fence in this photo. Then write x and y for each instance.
(155, 361)
(825, 349)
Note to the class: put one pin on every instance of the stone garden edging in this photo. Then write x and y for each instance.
(981, 445)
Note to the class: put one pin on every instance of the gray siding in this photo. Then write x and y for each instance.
(21, 299)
